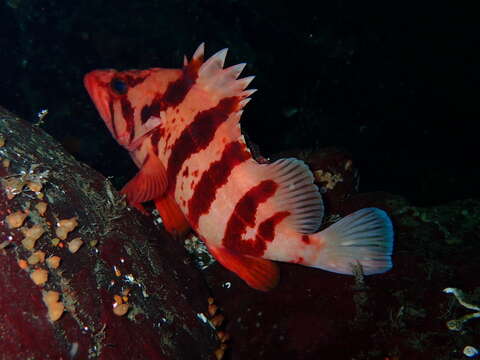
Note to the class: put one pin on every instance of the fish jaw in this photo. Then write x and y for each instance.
(95, 82)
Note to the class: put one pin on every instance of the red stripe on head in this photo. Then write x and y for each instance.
(214, 178)
(244, 216)
(111, 120)
(197, 136)
(127, 112)
(133, 81)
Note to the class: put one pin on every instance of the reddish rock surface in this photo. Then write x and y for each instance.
(122, 250)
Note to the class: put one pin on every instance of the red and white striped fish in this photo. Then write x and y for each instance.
(181, 127)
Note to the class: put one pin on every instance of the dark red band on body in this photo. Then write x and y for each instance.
(266, 229)
(213, 179)
(244, 216)
(177, 90)
(196, 136)
(151, 110)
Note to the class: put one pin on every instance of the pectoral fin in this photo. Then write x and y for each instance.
(149, 183)
(258, 273)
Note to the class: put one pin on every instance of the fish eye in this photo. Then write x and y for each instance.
(119, 86)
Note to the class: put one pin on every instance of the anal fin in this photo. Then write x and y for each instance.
(258, 273)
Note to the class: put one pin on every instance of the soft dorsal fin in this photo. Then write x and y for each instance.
(258, 273)
(297, 194)
(149, 183)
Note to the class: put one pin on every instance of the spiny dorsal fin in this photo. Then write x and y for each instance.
(199, 53)
(214, 83)
(222, 83)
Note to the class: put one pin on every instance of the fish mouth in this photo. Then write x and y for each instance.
(96, 82)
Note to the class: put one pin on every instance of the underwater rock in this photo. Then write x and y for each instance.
(81, 275)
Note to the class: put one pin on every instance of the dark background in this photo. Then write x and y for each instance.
(394, 83)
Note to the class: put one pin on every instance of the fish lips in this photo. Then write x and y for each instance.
(97, 84)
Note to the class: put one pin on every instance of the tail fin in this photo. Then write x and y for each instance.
(365, 237)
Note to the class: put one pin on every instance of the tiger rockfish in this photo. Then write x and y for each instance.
(182, 129)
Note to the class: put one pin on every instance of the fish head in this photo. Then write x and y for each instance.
(126, 100)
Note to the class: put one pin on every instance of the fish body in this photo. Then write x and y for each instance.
(182, 129)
